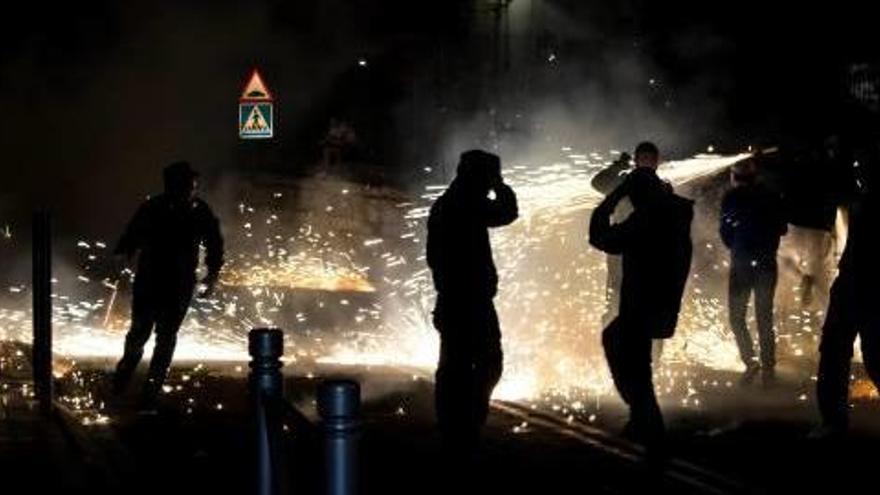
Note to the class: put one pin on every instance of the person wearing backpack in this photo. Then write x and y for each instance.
(655, 245)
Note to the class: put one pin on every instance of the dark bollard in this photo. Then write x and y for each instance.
(266, 346)
(42, 309)
(339, 404)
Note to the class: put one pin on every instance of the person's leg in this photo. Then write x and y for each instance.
(453, 381)
(645, 409)
(739, 290)
(835, 355)
(168, 323)
(816, 262)
(657, 350)
(488, 366)
(142, 321)
(869, 331)
(765, 291)
(614, 343)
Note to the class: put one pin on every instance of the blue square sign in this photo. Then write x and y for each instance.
(255, 120)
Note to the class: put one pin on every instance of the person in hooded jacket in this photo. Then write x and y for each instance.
(655, 245)
(459, 255)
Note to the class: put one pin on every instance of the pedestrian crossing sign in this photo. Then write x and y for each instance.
(255, 120)
(255, 111)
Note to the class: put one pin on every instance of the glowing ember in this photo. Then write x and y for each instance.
(862, 389)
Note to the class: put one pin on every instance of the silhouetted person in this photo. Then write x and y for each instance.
(752, 221)
(655, 244)
(460, 258)
(811, 204)
(166, 233)
(340, 138)
(606, 181)
(852, 309)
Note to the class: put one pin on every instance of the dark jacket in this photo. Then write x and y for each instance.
(656, 247)
(167, 234)
(752, 221)
(860, 262)
(458, 252)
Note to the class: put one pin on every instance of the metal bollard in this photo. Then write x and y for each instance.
(266, 384)
(42, 308)
(339, 407)
(266, 346)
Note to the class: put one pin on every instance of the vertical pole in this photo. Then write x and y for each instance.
(266, 345)
(42, 309)
(339, 407)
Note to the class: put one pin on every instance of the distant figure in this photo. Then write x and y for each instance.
(852, 309)
(655, 245)
(752, 222)
(166, 233)
(460, 258)
(606, 181)
(340, 138)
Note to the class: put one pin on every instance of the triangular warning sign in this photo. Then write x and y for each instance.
(256, 89)
(255, 122)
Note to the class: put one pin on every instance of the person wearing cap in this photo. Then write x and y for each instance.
(655, 246)
(752, 223)
(459, 255)
(165, 234)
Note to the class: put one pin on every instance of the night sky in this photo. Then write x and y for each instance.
(99, 96)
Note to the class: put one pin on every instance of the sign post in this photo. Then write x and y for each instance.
(42, 294)
(256, 113)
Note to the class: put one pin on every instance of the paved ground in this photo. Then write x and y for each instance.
(738, 441)
(42, 453)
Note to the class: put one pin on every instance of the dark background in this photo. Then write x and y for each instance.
(98, 96)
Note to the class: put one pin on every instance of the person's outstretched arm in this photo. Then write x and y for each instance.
(609, 178)
(502, 210)
(605, 236)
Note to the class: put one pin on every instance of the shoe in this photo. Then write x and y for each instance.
(657, 454)
(827, 432)
(749, 374)
(118, 386)
(629, 432)
(768, 378)
(148, 411)
(645, 435)
(148, 405)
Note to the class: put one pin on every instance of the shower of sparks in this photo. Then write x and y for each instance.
(318, 265)
(349, 298)
(297, 272)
